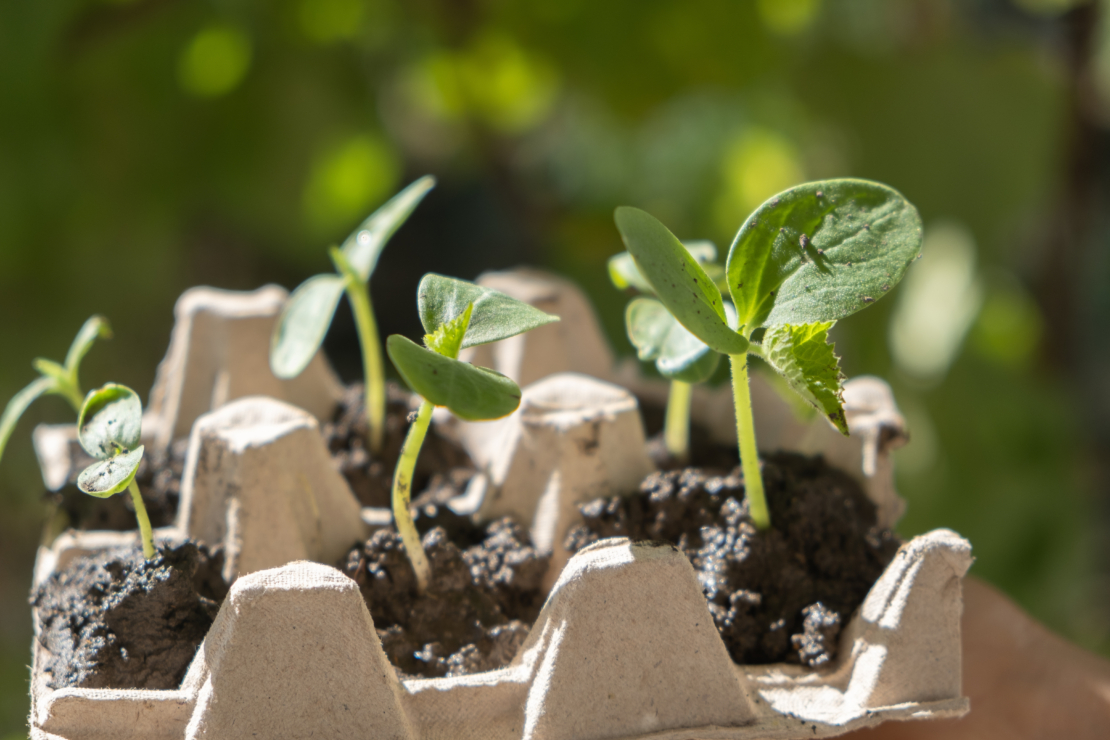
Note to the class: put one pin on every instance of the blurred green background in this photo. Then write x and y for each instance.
(150, 145)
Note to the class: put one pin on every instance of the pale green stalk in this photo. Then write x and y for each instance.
(144, 520)
(676, 428)
(745, 433)
(359, 294)
(402, 495)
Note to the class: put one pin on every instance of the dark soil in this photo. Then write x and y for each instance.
(479, 605)
(371, 478)
(781, 595)
(115, 620)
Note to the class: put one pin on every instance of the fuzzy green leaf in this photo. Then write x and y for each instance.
(106, 478)
(803, 356)
(304, 321)
(821, 251)
(51, 369)
(678, 354)
(679, 281)
(363, 247)
(111, 421)
(470, 392)
(96, 326)
(495, 315)
(624, 273)
(19, 403)
(447, 339)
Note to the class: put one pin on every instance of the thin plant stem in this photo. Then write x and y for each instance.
(359, 294)
(676, 428)
(745, 433)
(402, 494)
(73, 394)
(144, 520)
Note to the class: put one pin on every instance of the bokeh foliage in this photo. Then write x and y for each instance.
(149, 145)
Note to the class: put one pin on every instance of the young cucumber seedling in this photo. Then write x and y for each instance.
(456, 315)
(804, 259)
(679, 356)
(308, 313)
(55, 379)
(109, 428)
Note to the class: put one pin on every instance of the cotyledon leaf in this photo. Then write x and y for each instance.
(304, 321)
(821, 251)
(363, 247)
(111, 421)
(624, 274)
(802, 355)
(678, 354)
(679, 281)
(106, 478)
(94, 327)
(495, 315)
(470, 392)
(19, 403)
(51, 369)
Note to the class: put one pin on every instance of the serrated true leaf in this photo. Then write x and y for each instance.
(363, 247)
(470, 392)
(679, 281)
(678, 354)
(624, 274)
(495, 315)
(106, 478)
(111, 421)
(447, 339)
(803, 356)
(304, 321)
(821, 251)
(95, 327)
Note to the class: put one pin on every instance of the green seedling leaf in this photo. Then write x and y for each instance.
(624, 273)
(678, 354)
(679, 282)
(106, 478)
(51, 369)
(470, 392)
(495, 315)
(363, 247)
(111, 421)
(803, 356)
(303, 323)
(447, 340)
(821, 251)
(19, 403)
(96, 326)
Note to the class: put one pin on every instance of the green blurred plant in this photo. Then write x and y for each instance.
(679, 356)
(455, 314)
(110, 429)
(804, 259)
(54, 379)
(308, 313)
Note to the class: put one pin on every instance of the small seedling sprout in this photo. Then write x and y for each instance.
(456, 315)
(679, 356)
(308, 313)
(55, 379)
(109, 428)
(804, 259)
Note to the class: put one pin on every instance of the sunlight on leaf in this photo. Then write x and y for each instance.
(803, 356)
(495, 316)
(106, 478)
(110, 421)
(304, 321)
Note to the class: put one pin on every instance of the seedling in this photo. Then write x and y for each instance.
(109, 428)
(804, 259)
(54, 379)
(308, 313)
(456, 315)
(679, 356)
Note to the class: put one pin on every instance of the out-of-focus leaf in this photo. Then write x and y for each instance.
(821, 251)
(624, 273)
(106, 478)
(678, 354)
(51, 369)
(304, 321)
(19, 403)
(94, 327)
(679, 282)
(111, 421)
(495, 315)
(803, 356)
(363, 247)
(472, 393)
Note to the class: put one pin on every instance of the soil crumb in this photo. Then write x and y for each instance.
(115, 620)
(371, 477)
(782, 595)
(477, 610)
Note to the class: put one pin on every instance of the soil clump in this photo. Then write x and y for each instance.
(780, 595)
(116, 620)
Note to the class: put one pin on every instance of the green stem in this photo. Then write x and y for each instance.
(359, 294)
(144, 520)
(402, 494)
(745, 433)
(676, 428)
(73, 394)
